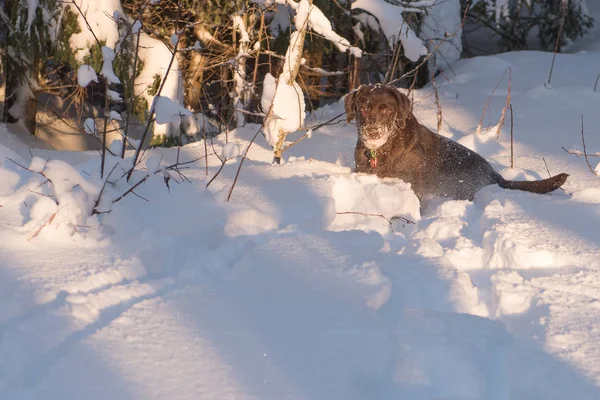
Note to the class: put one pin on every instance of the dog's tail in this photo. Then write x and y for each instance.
(543, 186)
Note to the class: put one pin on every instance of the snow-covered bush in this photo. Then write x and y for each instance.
(514, 22)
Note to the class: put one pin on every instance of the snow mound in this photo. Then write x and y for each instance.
(250, 222)
(367, 203)
(485, 143)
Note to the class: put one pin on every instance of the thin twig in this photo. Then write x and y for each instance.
(584, 151)
(329, 122)
(237, 174)
(47, 223)
(389, 221)
(579, 153)
(97, 202)
(217, 174)
(547, 170)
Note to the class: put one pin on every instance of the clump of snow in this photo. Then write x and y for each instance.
(32, 6)
(115, 116)
(230, 150)
(108, 56)
(370, 273)
(484, 144)
(98, 14)
(114, 96)
(514, 295)
(587, 195)
(135, 28)
(85, 75)
(156, 57)
(167, 111)
(89, 125)
(249, 223)
(365, 201)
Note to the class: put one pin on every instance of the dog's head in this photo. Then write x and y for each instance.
(380, 112)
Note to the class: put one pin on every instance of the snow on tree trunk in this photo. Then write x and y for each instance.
(285, 107)
(442, 19)
(239, 74)
(156, 56)
(283, 99)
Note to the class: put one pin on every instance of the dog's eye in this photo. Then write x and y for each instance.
(385, 109)
(363, 110)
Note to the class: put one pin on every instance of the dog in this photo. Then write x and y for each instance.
(393, 144)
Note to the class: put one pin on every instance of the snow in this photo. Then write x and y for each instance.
(318, 22)
(85, 75)
(280, 294)
(108, 56)
(89, 125)
(98, 14)
(443, 18)
(390, 20)
(156, 56)
(32, 6)
(167, 111)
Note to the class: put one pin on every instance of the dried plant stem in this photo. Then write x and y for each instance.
(512, 125)
(487, 102)
(329, 122)
(560, 31)
(508, 102)
(437, 103)
(47, 223)
(584, 150)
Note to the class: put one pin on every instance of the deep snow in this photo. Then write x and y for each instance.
(275, 296)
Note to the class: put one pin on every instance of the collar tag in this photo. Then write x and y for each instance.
(372, 157)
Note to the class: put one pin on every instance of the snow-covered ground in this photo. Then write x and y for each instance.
(278, 294)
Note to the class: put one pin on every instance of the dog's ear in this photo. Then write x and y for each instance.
(349, 101)
(403, 107)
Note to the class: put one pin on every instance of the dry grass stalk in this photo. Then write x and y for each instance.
(584, 150)
(487, 102)
(560, 31)
(512, 125)
(437, 102)
(508, 102)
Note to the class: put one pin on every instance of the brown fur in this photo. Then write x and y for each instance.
(434, 165)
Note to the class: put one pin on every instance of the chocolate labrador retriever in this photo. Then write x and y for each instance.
(392, 144)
